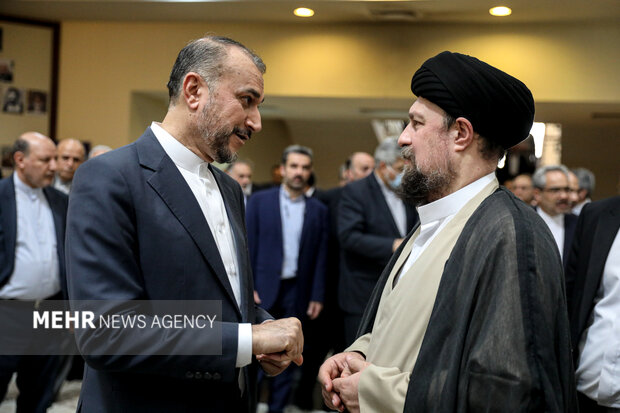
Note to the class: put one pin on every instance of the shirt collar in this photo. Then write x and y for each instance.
(179, 153)
(21, 186)
(451, 204)
(284, 194)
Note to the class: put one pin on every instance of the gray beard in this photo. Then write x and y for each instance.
(216, 139)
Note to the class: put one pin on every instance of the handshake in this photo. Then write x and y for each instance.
(277, 343)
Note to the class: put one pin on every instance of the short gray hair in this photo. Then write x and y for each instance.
(540, 176)
(388, 151)
(586, 180)
(205, 56)
(297, 149)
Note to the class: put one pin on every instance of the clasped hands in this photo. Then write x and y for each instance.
(339, 377)
(277, 343)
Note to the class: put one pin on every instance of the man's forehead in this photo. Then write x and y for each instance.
(556, 176)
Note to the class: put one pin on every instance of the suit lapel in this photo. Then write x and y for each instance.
(375, 188)
(8, 227)
(604, 235)
(171, 187)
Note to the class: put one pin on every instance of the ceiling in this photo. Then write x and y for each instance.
(353, 11)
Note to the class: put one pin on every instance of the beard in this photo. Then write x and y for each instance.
(217, 134)
(419, 188)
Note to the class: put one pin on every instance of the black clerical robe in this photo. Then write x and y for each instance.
(498, 336)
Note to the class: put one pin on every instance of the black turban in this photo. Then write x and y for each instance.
(499, 106)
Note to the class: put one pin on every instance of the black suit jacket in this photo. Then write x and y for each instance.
(8, 228)
(366, 231)
(596, 230)
(136, 232)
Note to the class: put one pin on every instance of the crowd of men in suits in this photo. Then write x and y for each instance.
(155, 220)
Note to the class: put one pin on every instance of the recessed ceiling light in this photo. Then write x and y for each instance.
(303, 12)
(500, 11)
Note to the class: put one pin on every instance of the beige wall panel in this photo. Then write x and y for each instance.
(101, 63)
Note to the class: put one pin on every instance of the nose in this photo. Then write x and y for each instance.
(253, 120)
(405, 139)
(53, 165)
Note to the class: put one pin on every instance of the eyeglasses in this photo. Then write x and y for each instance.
(557, 190)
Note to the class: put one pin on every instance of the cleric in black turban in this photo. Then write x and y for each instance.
(499, 106)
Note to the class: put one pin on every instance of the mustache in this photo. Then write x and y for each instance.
(242, 131)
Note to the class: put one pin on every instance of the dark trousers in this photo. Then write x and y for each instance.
(37, 372)
(35, 380)
(587, 405)
(280, 386)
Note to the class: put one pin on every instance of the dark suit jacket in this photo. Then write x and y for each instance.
(136, 232)
(8, 228)
(266, 249)
(366, 230)
(596, 230)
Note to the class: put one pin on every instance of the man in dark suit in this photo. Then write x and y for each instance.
(32, 269)
(154, 220)
(593, 294)
(552, 195)
(372, 222)
(287, 236)
(241, 171)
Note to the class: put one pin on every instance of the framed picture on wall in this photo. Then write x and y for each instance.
(6, 70)
(36, 102)
(13, 101)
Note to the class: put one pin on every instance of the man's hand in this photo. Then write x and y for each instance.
(347, 387)
(314, 309)
(396, 244)
(335, 367)
(256, 298)
(270, 366)
(279, 340)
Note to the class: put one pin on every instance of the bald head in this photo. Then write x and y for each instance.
(71, 154)
(362, 165)
(34, 155)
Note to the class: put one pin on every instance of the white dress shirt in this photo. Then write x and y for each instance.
(396, 206)
(598, 368)
(436, 215)
(201, 181)
(556, 225)
(36, 272)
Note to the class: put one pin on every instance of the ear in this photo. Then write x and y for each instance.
(537, 194)
(18, 159)
(194, 87)
(281, 169)
(463, 134)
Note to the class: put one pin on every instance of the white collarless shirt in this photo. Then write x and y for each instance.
(556, 225)
(201, 181)
(436, 215)
(36, 272)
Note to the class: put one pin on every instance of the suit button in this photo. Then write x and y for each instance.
(216, 376)
(198, 375)
(208, 375)
(189, 375)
